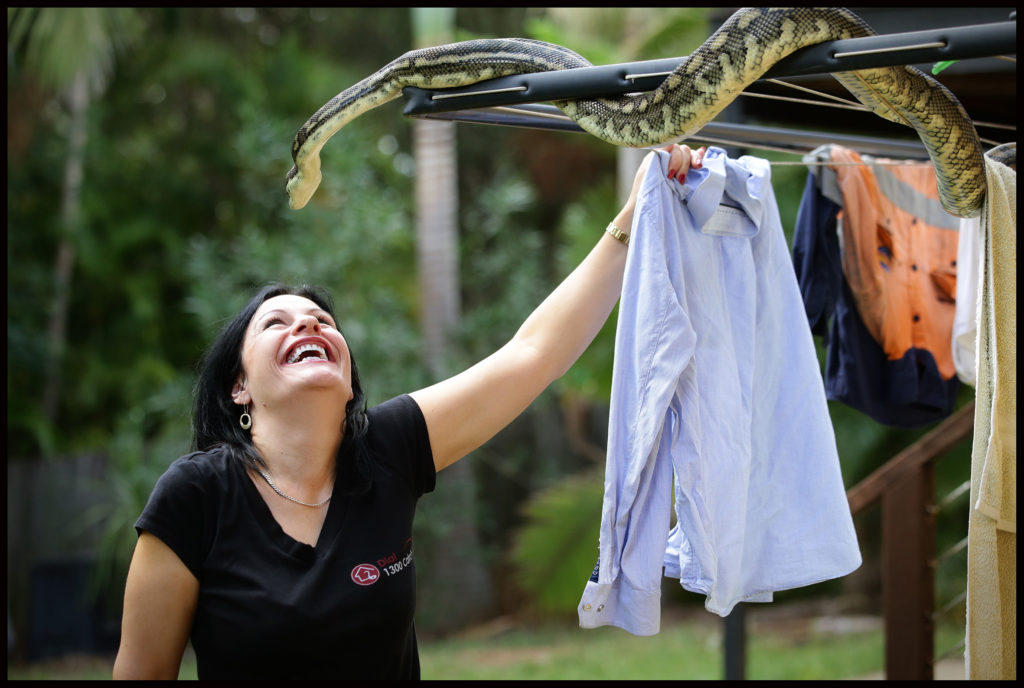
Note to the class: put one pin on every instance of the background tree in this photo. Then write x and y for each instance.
(453, 580)
(71, 51)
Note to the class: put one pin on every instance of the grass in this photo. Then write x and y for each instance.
(554, 652)
(84, 668)
(682, 650)
(691, 651)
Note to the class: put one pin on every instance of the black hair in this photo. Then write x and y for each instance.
(215, 415)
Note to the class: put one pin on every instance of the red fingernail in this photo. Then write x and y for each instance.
(671, 173)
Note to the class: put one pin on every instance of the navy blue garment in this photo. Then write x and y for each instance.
(906, 393)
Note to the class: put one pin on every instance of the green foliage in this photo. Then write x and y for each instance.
(432, 25)
(58, 43)
(591, 375)
(673, 32)
(502, 273)
(137, 458)
(188, 150)
(605, 35)
(555, 550)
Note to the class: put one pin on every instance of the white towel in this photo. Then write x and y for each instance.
(997, 493)
(991, 651)
(965, 319)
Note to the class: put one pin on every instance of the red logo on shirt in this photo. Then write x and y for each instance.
(365, 574)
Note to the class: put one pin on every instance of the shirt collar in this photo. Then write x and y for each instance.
(721, 181)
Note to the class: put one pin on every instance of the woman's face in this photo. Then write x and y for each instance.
(292, 345)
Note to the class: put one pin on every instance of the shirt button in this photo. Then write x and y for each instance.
(917, 318)
(913, 267)
(600, 608)
(586, 607)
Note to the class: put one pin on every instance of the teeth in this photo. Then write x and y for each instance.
(322, 354)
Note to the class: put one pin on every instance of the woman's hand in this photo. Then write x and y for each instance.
(680, 162)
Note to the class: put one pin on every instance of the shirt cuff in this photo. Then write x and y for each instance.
(617, 604)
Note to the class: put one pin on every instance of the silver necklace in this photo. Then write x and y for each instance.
(276, 489)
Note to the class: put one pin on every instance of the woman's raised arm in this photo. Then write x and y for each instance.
(468, 409)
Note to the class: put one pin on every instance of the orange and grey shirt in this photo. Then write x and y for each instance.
(899, 250)
(901, 387)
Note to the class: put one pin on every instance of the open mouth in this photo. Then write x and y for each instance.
(304, 353)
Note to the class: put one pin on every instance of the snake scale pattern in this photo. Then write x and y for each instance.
(746, 46)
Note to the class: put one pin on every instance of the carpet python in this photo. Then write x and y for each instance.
(746, 46)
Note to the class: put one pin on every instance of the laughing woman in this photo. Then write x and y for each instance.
(282, 546)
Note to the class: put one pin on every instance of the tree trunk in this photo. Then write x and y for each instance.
(71, 212)
(436, 236)
(627, 163)
(455, 584)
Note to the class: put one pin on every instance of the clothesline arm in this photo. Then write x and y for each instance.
(719, 133)
(510, 101)
(956, 43)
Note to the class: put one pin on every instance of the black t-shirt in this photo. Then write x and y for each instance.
(272, 607)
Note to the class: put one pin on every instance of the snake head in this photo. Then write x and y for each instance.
(302, 181)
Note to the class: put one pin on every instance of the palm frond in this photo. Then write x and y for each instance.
(555, 551)
(59, 43)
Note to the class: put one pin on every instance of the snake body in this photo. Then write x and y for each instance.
(746, 46)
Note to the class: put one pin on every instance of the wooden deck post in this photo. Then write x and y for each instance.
(905, 485)
(908, 550)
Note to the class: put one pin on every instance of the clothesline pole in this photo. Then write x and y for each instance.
(736, 644)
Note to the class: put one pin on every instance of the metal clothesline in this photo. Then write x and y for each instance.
(514, 100)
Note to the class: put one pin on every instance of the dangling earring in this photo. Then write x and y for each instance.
(245, 420)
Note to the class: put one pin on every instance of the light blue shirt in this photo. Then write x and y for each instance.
(716, 383)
